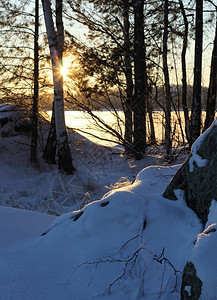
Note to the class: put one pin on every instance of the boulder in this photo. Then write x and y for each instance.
(198, 175)
(191, 284)
(199, 274)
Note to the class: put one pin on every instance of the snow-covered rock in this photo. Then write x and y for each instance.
(197, 177)
(200, 271)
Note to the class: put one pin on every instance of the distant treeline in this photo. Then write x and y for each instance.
(156, 98)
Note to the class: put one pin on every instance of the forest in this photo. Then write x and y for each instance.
(131, 219)
(116, 55)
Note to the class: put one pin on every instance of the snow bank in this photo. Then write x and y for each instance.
(18, 225)
(204, 256)
(132, 244)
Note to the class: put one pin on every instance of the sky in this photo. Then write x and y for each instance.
(207, 45)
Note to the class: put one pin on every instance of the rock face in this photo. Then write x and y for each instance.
(191, 284)
(198, 175)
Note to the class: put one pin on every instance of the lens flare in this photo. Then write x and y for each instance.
(64, 70)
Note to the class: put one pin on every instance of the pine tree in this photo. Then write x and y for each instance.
(167, 81)
(184, 73)
(140, 97)
(196, 102)
(212, 90)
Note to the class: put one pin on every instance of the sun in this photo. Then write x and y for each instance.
(64, 70)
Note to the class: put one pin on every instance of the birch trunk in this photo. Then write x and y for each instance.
(64, 154)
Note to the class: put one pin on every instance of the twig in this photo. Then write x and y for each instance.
(133, 238)
(161, 258)
(126, 270)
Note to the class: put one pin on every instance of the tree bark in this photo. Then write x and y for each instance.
(128, 75)
(64, 154)
(184, 73)
(196, 103)
(140, 97)
(34, 131)
(167, 82)
(150, 110)
(49, 153)
(211, 97)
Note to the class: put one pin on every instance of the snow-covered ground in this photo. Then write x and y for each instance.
(43, 188)
(116, 238)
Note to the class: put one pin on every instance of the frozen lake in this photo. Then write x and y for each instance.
(83, 123)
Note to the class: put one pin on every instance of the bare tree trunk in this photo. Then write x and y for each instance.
(49, 153)
(140, 97)
(128, 75)
(184, 73)
(196, 103)
(167, 82)
(149, 110)
(34, 131)
(64, 154)
(60, 32)
(211, 97)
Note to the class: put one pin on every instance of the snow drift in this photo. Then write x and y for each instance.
(132, 244)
